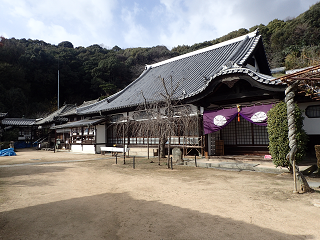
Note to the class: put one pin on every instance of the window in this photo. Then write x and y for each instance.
(142, 115)
(116, 118)
(313, 111)
(244, 133)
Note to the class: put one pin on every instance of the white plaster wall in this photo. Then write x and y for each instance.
(100, 137)
(83, 148)
(76, 148)
(98, 147)
(311, 125)
(88, 149)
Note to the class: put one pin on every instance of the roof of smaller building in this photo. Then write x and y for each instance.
(73, 111)
(57, 115)
(18, 121)
(80, 123)
(306, 79)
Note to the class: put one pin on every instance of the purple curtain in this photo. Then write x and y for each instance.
(256, 114)
(216, 120)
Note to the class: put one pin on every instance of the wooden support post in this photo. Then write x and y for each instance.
(148, 143)
(169, 145)
(289, 99)
(159, 152)
(123, 142)
(295, 188)
(134, 162)
(55, 141)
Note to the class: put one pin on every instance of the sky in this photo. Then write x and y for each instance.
(138, 23)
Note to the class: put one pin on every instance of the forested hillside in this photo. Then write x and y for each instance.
(29, 73)
(29, 68)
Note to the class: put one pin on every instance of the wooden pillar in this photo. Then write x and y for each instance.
(55, 140)
(289, 99)
(124, 150)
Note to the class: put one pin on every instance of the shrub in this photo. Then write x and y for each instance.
(278, 134)
(4, 145)
(10, 135)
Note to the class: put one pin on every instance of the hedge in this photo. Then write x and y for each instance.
(278, 135)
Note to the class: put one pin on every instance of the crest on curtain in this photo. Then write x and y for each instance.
(216, 120)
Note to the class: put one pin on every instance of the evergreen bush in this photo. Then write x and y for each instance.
(278, 135)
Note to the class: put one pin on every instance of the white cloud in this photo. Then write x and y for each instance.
(20, 9)
(53, 21)
(193, 21)
(188, 22)
(56, 33)
(91, 15)
(138, 23)
(134, 33)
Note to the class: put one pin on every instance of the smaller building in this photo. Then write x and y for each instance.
(26, 130)
(67, 113)
(86, 135)
(46, 135)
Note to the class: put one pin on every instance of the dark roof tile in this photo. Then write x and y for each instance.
(18, 121)
(188, 74)
(56, 114)
(80, 123)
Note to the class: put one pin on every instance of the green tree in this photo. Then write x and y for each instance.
(278, 135)
(65, 44)
(108, 89)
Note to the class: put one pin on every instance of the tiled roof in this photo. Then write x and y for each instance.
(188, 74)
(259, 77)
(56, 115)
(73, 111)
(18, 121)
(83, 122)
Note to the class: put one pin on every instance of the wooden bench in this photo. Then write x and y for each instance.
(114, 150)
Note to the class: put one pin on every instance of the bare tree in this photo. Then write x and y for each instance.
(163, 119)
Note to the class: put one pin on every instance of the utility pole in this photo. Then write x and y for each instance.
(58, 84)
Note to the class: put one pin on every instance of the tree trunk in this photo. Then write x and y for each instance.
(169, 143)
(317, 149)
(162, 146)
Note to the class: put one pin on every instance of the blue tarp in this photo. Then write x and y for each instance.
(7, 152)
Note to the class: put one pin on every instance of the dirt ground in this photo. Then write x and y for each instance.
(46, 195)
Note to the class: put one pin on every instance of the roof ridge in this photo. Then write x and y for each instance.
(230, 61)
(215, 46)
(249, 52)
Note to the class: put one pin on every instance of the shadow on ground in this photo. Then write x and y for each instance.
(118, 216)
(33, 170)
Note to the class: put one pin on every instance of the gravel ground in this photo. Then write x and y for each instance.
(46, 195)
